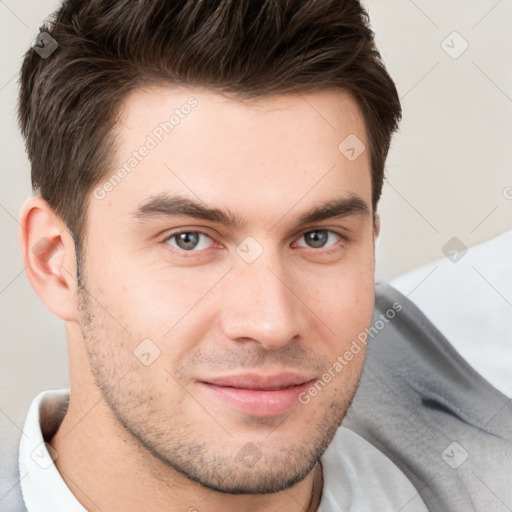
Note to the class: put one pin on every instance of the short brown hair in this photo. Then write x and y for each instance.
(69, 101)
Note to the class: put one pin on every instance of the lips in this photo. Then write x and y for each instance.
(256, 394)
(260, 382)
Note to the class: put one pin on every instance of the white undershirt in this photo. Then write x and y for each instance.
(470, 302)
(43, 488)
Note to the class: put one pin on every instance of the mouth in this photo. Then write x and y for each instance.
(258, 395)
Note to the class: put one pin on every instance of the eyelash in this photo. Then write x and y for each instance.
(329, 250)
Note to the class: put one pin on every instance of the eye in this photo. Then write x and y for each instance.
(189, 241)
(317, 239)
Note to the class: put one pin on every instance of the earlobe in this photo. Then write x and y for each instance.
(48, 254)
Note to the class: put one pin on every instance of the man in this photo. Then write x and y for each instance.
(436, 390)
(207, 178)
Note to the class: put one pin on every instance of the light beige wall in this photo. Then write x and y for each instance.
(447, 170)
(33, 347)
(450, 166)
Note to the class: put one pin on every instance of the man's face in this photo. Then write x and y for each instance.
(191, 323)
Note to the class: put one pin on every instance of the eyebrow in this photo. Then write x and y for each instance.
(165, 205)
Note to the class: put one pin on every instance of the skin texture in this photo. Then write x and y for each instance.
(149, 436)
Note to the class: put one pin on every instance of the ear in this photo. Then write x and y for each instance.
(48, 253)
(376, 227)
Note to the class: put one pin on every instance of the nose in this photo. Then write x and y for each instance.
(261, 305)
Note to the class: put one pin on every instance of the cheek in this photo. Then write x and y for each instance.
(162, 306)
(345, 302)
(348, 316)
(148, 300)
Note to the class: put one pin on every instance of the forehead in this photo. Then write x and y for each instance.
(258, 157)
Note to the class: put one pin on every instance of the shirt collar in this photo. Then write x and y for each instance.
(43, 488)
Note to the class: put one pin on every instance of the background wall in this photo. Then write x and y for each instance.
(449, 172)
